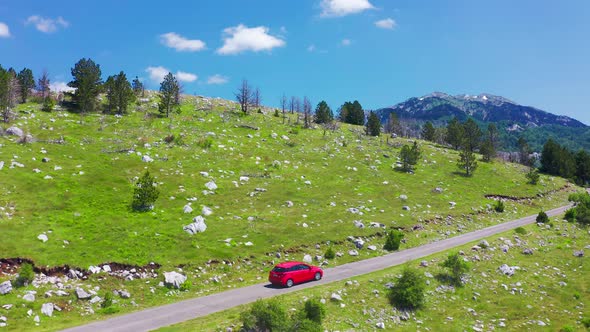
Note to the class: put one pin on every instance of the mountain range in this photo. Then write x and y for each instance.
(513, 120)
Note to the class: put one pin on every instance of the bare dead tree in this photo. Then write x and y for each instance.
(256, 98)
(283, 105)
(43, 84)
(244, 96)
(297, 107)
(306, 112)
(292, 104)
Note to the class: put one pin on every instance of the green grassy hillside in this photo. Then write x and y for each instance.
(80, 197)
(549, 291)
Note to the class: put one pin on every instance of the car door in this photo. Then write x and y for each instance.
(305, 272)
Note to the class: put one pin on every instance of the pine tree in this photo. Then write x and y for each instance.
(487, 150)
(455, 133)
(409, 156)
(87, 82)
(145, 193)
(467, 161)
(26, 82)
(323, 113)
(168, 94)
(138, 88)
(582, 168)
(119, 92)
(524, 151)
(357, 115)
(471, 135)
(428, 132)
(373, 124)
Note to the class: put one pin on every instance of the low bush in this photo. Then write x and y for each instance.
(586, 322)
(314, 310)
(570, 215)
(205, 142)
(408, 291)
(330, 254)
(499, 206)
(25, 275)
(542, 217)
(457, 266)
(533, 176)
(265, 316)
(107, 301)
(393, 240)
(520, 230)
(185, 286)
(145, 193)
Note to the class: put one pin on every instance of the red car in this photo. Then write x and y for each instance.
(288, 274)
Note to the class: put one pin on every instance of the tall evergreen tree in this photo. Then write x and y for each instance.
(168, 94)
(138, 88)
(428, 132)
(323, 113)
(119, 92)
(471, 135)
(583, 168)
(550, 157)
(357, 115)
(488, 147)
(26, 82)
(493, 136)
(87, 81)
(455, 133)
(409, 156)
(344, 112)
(373, 127)
(467, 161)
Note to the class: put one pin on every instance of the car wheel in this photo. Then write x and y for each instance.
(289, 283)
(318, 276)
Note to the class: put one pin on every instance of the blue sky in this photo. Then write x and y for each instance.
(379, 52)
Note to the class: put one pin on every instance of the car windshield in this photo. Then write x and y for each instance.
(279, 269)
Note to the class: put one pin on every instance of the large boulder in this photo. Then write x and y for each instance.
(508, 270)
(307, 259)
(174, 279)
(47, 309)
(187, 209)
(5, 288)
(29, 297)
(82, 294)
(15, 131)
(197, 226)
(146, 159)
(211, 185)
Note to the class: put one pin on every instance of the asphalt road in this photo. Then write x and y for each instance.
(157, 317)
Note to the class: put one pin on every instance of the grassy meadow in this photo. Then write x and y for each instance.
(80, 198)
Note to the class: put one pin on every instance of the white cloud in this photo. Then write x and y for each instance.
(186, 77)
(335, 8)
(4, 31)
(217, 79)
(240, 38)
(346, 42)
(158, 73)
(47, 25)
(387, 23)
(60, 87)
(180, 43)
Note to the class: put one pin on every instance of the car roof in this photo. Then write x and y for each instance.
(289, 264)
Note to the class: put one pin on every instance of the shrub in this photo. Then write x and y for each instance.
(586, 322)
(567, 328)
(408, 291)
(145, 193)
(186, 286)
(48, 105)
(542, 217)
(306, 325)
(315, 311)
(330, 254)
(277, 113)
(25, 275)
(265, 316)
(520, 230)
(108, 300)
(533, 176)
(457, 266)
(205, 142)
(570, 215)
(169, 139)
(499, 206)
(393, 240)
